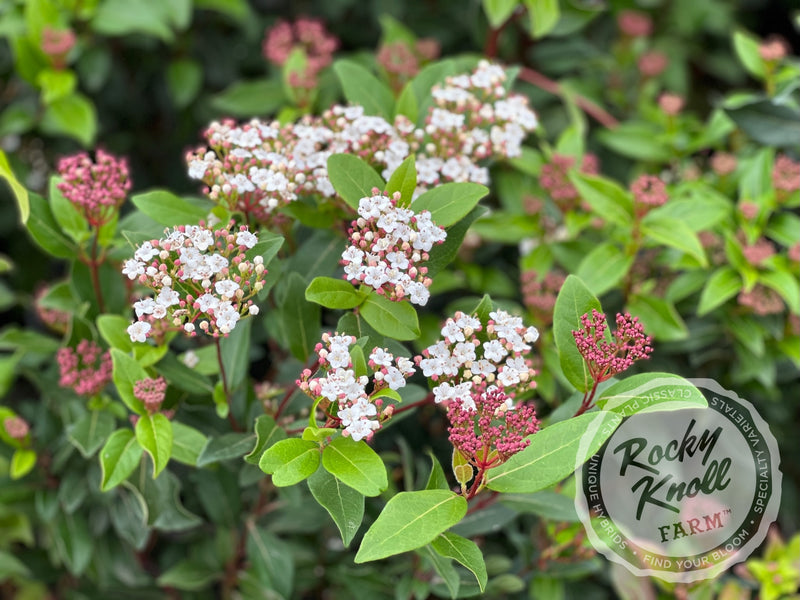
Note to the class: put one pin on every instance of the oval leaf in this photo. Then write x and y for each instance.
(119, 457)
(648, 392)
(396, 320)
(333, 293)
(356, 464)
(154, 434)
(344, 504)
(352, 178)
(450, 202)
(574, 300)
(410, 520)
(290, 461)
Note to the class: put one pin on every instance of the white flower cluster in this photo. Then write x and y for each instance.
(215, 281)
(257, 167)
(387, 245)
(462, 364)
(356, 410)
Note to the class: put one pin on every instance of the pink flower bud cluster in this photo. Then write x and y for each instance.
(648, 192)
(652, 64)
(758, 252)
(554, 178)
(761, 300)
(308, 34)
(85, 369)
(539, 293)
(670, 104)
(16, 428)
(57, 44)
(57, 320)
(607, 358)
(387, 245)
(355, 410)
(489, 429)
(634, 23)
(201, 278)
(462, 364)
(151, 392)
(786, 174)
(96, 189)
(723, 163)
(402, 60)
(257, 167)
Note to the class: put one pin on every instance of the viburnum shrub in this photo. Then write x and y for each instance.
(372, 327)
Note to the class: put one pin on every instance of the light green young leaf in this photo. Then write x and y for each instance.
(154, 434)
(363, 88)
(356, 465)
(22, 462)
(187, 443)
(450, 202)
(119, 457)
(498, 11)
(463, 551)
(675, 234)
(250, 98)
(574, 300)
(352, 178)
(659, 317)
(410, 520)
(649, 392)
(404, 180)
(605, 197)
(544, 15)
(333, 293)
(746, 47)
(45, 230)
(437, 480)
(73, 115)
(396, 320)
(723, 284)
(126, 373)
(344, 504)
(17, 189)
(67, 216)
(604, 267)
(168, 209)
(786, 284)
(290, 461)
(554, 453)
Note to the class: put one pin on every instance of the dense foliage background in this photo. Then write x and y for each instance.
(704, 95)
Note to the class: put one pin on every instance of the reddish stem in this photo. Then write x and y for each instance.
(601, 115)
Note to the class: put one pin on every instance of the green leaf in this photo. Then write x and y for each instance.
(55, 84)
(675, 234)
(290, 461)
(344, 504)
(235, 349)
(363, 88)
(768, 122)
(554, 453)
(300, 319)
(404, 180)
(17, 189)
(359, 361)
(650, 392)
(437, 480)
(410, 520)
(118, 458)
(606, 197)
(74, 542)
(498, 12)
(603, 268)
(450, 202)
(544, 15)
(187, 443)
(464, 551)
(225, 447)
(128, 512)
(189, 575)
(746, 47)
(333, 293)
(786, 284)
(251, 98)
(66, 215)
(91, 431)
(22, 462)
(574, 300)
(639, 141)
(124, 17)
(352, 178)
(238, 10)
(356, 465)
(184, 80)
(444, 568)
(697, 204)
(407, 104)
(659, 317)
(45, 230)
(154, 434)
(397, 320)
(267, 433)
(547, 504)
(168, 209)
(112, 329)
(73, 115)
(442, 255)
(272, 560)
(723, 284)
(126, 373)
(11, 567)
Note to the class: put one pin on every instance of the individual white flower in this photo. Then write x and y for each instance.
(253, 309)
(144, 307)
(452, 331)
(226, 317)
(138, 331)
(145, 252)
(190, 358)
(133, 268)
(226, 287)
(493, 350)
(247, 239)
(394, 378)
(167, 297)
(207, 302)
(381, 357)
